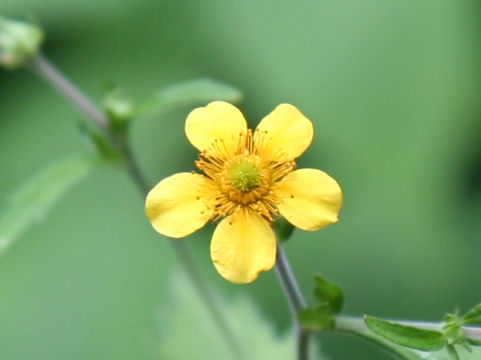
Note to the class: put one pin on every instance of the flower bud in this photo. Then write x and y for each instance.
(119, 110)
(19, 41)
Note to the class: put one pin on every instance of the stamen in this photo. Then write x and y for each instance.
(242, 177)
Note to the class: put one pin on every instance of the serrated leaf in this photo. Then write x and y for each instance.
(32, 200)
(473, 316)
(328, 293)
(409, 336)
(318, 318)
(186, 331)
(192, 92)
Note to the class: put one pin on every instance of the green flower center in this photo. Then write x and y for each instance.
(244, 175)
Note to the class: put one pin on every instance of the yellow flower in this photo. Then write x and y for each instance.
(247, 178)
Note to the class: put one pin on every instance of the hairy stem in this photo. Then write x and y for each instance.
(296, 301)
(45, 69)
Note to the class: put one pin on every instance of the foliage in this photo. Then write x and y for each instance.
(32, 200)
(452, 337)
(329, 299)
(191, 92)
(187, 332)
(404, 335)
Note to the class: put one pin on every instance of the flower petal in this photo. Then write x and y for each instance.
(218, 120)
(309, 199)
(283, 134)
(243, 245)
(176, 207)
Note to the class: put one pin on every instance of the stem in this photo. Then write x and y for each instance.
(289, 282)
(296, 302)
(45, 69)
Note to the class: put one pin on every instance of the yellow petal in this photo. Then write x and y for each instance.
(218, 120)
(176, 206)
(284, 134)
(243, 245)
(309, 199)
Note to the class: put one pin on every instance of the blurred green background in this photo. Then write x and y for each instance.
(393, 88)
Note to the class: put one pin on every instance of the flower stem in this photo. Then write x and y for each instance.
(45, 69)
(296, 301)
(42, 66)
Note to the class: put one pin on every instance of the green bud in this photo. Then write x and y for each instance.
(19, 41)
(119, 110)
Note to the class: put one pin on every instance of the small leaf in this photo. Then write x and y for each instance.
(473, 316)
(474, 342)
(192, 92)
(284, 229)
(466, 345)
(35, 198)
(409, 336)
(397, 351)
(452, 352)
(318, 318)
(446, 354)
(100, 143)
(328, 293)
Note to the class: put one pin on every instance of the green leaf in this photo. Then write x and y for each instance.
(473, 316)
(186, 331)
(328, 293)
(398, 351)
(452, 352)
(408, 336)
(192, 92)
(411, 354)
(34, 198)
(474, 342)
(284, 229)
(318, 318)
(100, 143)
(453, 333)
(445, 354)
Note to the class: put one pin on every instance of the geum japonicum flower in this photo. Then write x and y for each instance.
(247, 179)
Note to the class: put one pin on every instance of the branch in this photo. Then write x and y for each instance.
(296, 302)
(44, 68)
